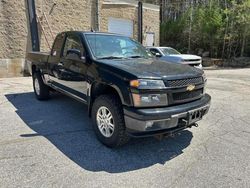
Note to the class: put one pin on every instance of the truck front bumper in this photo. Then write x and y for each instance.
(168, 120)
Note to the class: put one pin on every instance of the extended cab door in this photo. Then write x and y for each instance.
(54, 58)
(69, 72)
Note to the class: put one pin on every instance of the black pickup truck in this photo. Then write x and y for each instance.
(128, 91)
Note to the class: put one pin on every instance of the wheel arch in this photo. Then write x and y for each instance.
(33, 69)
(97, 89)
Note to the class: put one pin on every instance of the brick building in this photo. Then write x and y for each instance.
(119, 16)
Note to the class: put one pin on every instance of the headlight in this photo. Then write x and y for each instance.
(149, 100)
(147, 84)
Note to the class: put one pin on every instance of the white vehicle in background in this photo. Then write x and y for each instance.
(171, 55)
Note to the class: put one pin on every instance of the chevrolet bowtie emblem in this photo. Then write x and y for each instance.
(190, 87)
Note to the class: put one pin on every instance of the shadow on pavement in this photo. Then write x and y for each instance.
(65, 123)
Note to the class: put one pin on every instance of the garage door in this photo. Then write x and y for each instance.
(120, 26)
(150, 39)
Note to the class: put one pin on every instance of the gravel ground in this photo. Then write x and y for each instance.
(52, 144)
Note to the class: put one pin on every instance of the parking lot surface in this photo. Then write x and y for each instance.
(52, 144)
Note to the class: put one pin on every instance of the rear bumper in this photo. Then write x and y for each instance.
(152, 121)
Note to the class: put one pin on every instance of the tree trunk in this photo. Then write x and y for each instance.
(226, 31)
(190, 27)
(243, 45)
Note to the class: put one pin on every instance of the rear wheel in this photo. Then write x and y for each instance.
(108, 121)
(40, 89)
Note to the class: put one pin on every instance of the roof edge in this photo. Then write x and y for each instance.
(133, 3)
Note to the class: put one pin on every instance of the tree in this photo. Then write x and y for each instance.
(220, 27)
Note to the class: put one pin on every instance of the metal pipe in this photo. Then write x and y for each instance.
(52, 8)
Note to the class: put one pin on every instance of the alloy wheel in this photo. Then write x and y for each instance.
(105, 121)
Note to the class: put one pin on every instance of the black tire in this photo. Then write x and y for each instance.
(113, 104)
(43, 93)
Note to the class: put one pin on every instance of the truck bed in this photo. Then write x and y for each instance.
(37, 58)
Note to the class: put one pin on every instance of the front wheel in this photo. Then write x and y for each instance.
(108, 121)
(41, 90)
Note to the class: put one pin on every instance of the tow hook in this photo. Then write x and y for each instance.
(195, 125)
(160, 137)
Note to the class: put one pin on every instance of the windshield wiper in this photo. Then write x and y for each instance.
(135, 56)
(111, 57)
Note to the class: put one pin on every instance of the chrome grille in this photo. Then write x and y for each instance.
(187, 95)
(184, 82)
(190, 60)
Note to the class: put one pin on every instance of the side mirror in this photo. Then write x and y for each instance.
(158, 55)
(74, 54)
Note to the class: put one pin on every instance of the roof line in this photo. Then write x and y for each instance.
(131, 3)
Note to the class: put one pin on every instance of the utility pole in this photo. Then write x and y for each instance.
(140, 22)
(31, 8)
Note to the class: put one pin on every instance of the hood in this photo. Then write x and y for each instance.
(154, 68)
(186, 56)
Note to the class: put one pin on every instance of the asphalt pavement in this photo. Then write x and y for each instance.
(52, 144)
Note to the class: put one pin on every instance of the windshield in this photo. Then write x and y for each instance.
(115, 47)
(169, 51)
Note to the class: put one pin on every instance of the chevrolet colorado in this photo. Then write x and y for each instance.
(128, 92)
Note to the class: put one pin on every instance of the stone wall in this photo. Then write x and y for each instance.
(13, 29)
(67, 15)
(15, 34)
(13, 37)
(151, 23)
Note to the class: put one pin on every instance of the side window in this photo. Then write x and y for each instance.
(57, 45)
(73, 42)
(154, 51)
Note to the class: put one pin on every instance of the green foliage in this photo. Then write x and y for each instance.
(208, 23)
(223, 29)
(175, 33)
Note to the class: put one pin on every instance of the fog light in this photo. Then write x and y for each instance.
(149, 124)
